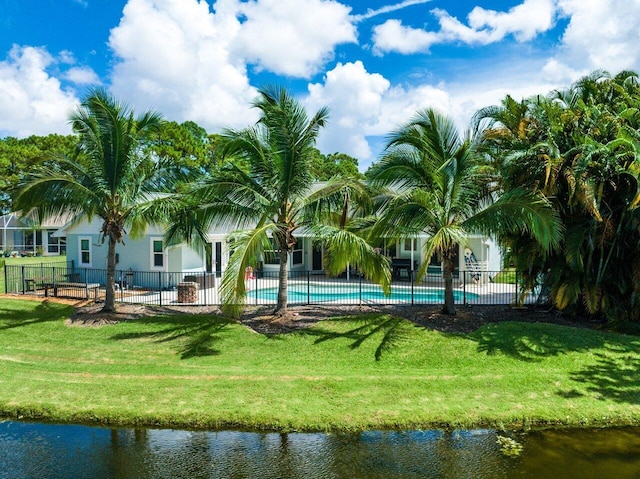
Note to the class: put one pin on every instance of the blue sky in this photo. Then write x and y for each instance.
(374, 63)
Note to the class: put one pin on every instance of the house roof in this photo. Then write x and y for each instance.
(15, 220)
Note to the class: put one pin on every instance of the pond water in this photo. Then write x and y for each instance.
(37, 451)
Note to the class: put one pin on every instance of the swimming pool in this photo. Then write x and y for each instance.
(345, 293)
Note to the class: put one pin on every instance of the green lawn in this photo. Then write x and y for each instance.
(346, 374)
(32, 260)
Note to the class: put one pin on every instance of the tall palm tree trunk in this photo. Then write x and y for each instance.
(449, 304)
(110, 297)
(281, 306)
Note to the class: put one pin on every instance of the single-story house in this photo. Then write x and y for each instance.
(150, 254)
(22, 236)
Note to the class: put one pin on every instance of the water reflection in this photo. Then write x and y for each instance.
(49, 451)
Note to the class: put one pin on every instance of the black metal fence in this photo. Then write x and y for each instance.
(304, 287)
(29, 278)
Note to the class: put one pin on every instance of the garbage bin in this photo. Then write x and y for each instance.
(187, 292)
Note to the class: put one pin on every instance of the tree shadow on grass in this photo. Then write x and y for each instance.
(533, 342)
(198, 335)
(390, 331)
(614, 376)
(44, 312)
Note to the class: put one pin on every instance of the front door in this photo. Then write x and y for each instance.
(218, 258)
(316, 259)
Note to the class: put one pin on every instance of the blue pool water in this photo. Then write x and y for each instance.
(347, 293)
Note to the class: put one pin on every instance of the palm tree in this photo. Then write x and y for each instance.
(580, 150)
(110, 178)
(439, 185)
(270, 203)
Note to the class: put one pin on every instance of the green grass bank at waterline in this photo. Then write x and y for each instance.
(350, 373)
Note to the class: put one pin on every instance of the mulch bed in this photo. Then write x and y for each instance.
(261, 320)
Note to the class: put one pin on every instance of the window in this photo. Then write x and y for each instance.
(157, 253)
(28, 240)
(18, 239)
(271, 256)
(85, 251)
(55, 245)
(297, 252)
(408, 245)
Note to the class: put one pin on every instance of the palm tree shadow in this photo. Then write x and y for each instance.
(394, 332)
(44, 312)
(532, 342)
(197, 335)
(613, 377)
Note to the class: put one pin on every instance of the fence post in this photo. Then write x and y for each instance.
(160, 285)
(515, 299)
(119, 283)
(256, 288)
(86, 284)
(204, 287)
(464, 287)
(360, 287)
(308, 287)
(23, 278)
(6, 279)
(216, 289)
(412, 272)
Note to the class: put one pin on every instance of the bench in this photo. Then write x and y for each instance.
(72, 287)
(33, 284)
(29, 285)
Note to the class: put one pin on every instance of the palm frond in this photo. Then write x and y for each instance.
(247, 246)
(520, 211)
(345, 248)
(443, 242)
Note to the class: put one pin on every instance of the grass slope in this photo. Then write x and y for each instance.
(346, 374)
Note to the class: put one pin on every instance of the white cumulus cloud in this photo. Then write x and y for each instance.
(601, 34)
(354, 97)
(293, 37)
(82, 76)
(32, 102)
(190, 61)
(365, 105)
(524, 21)
(392, 36)
(174, 56)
